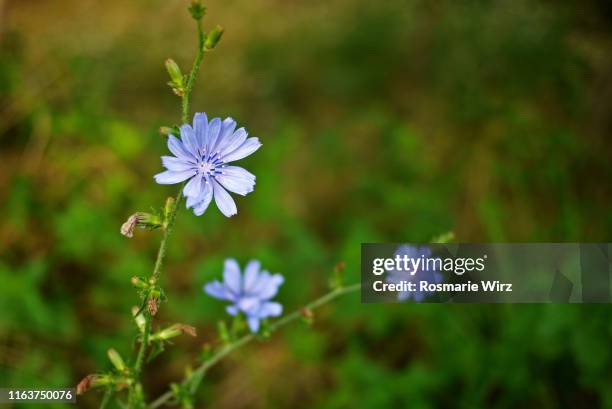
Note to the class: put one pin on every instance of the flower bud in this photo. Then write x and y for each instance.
(93, 381)
(177, 82)
(139, 319)
(116, 359)
(138, 282)
(168, 208)
(175, 72)
(142, 220)
(173, 331)
(307, 315)
(165, 130)
(197, 10)
(213, 38)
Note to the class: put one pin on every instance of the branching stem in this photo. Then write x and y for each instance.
(195, 378)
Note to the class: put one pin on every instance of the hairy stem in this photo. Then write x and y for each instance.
(169, 227)
(193, 381)
(143, 346)
(192, 75)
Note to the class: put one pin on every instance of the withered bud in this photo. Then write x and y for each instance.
(188, 330)
(153, 305)
(174, 331)
(142, 220)
(127, 228)
(92, 381)
(340, 266)
(307, 315)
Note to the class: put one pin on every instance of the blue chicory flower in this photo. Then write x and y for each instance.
(397, 276)
(249, 294)
(202, 155)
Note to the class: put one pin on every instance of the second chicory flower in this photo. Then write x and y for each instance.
(250, 293)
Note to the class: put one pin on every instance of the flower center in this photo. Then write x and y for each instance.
(211, 165)
(206, 167)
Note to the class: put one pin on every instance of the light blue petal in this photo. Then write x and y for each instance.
(200, 127)
(424, 251)
(227, 130)
(250, 275)
(438, 277)
(237, 180)
(262, 281)
(192, 201)
(250, 305)
(270, 309)
(253, 324)
(169, 177)
(189, 140)
(403, 295)
(231, 275)
(193, 188)
(407, 250)
(207, 194)
(176, 147)
(232, 309)
(214, 127)
(267, 285)
(217, 290)
(248, 147)
(176, 164)
(224, 201)
(232, 142)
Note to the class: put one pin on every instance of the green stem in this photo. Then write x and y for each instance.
(143, 346)
(106, 399)
(193, 381)
(161, 253)
(192, 75)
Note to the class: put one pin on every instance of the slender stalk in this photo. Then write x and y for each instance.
(192, 75)
(143, 345)
(161, 253)
(106, 399)
(169, 227)
(194, 380)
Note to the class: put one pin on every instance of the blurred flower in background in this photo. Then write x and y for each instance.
(397, 276)
(250, 294)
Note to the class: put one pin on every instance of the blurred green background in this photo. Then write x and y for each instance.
(381, 121)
